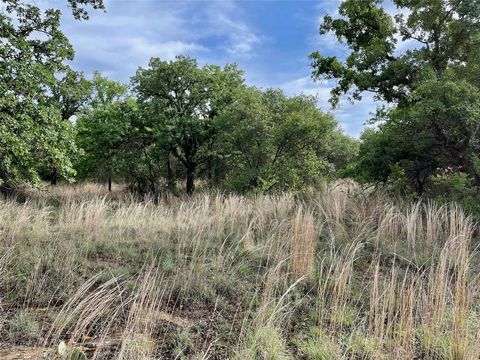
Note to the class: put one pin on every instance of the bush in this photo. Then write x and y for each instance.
(456, 187)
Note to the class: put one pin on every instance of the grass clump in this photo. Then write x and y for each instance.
(266, 343)
(319, 345)
(23, 328)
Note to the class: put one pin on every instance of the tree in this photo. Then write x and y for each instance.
(386, 157)
(106, 92)
(271, 141)
(431, 84)
(71, 93)
(32, 50)
(102, 134)
(244, 148)
(445, 116)
(182, 102)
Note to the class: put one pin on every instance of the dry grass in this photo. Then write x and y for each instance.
(346, 274)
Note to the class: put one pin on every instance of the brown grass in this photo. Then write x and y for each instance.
(346, 274)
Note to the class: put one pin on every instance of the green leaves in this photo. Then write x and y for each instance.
(34, 134)
(181, 103)
(71, 93)
(440, 33)
(429, 81)
(272, 142)
(103, 134)
(370, 34)
(78, 9)
(105, 91)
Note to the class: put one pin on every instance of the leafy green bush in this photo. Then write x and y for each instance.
(456, 187)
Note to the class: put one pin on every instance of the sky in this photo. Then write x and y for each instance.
(269, 40)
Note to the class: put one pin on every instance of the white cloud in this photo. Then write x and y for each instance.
(166, 50)
(243, 44)
(352, 117)
(305, 85)
(131, 32)
(225, 20)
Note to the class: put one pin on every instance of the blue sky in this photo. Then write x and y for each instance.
(269, 40)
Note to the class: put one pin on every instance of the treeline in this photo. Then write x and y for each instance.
(178, 124)
(187, 122)
(175, 125)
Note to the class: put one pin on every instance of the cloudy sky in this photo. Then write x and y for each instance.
(269, 40)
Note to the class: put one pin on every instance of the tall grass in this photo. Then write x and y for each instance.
(344, 274)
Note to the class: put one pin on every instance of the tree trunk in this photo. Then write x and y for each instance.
(210, 171)
(170, 177)
(54, 177)
(109, 184)
(190, 180)
(153, 190)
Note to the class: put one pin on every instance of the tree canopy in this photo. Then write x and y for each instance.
(32, 51)
(182, 101)
(271, 141)
(203, 122)
(420, 62)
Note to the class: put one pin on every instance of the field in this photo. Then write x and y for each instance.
(344, 274)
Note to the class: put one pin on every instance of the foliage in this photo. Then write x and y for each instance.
(270, 141)
(101, 134)
(182, 101)
(203, 122)
(341, 151)
(32, 49)
(188, 121)
(456, 187)
(433, 122)
(106, 92)
(71, 93)
(102, 130)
